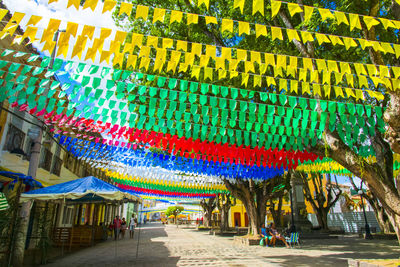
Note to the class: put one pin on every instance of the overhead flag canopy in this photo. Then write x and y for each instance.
(165, 117)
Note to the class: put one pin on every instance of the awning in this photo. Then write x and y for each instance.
(88, 187)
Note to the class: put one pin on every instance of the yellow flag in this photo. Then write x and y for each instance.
(119, 36)
(261, 30)
(221, 74)
(321, 65)
(4, 12)
(370, 22)
(258, 6)
(204, 60)
(360, 70)
(322, 38)
(354, 21)
(245, 79)
(88, 31)
(211, 20)
(336, 40)
(74, 3)
(276, 33)
(90, 4)
(108, 5)
(226, 53)
(167, 43)
(158, 15)
(219, 63)
(308, 11)
(396, 71)
(387, 48)
(142, 12)
(244, 28)
(172, 65)
(137, 40)
(196, 49)
(241, 55)
(234, 74)
(271, 81)
(294, 85)
(292, 35)
(34, 20)
(305, 88)
(196, 72)
(349, 42)
(249, 67)
(316, 89)
(79, 46)
(338, 77)
(275, 7)
(341, 18)
(327, 91)
(270, 59)
(281, 62)
(349, 93)
(30, 33)
(314, 76)
(257, 81)
(294, 9)
(49, 46)
(152, 41)
(387, 23)
(239, 4)
(181, 45)
(350, 80)
(132, 60)
(144, 51)
(205, 2)
(362, 82)
(127, 9)
(325, 14)
(192, 19)
(332, 66)
(359, 94)
(211, 51)
(397, 50)
(144, 63)
(227, 25)
(307, 37)
(208, 73)
(255, 57)
(176, 16)
(119, 59)
(12, 24)
(338, 91)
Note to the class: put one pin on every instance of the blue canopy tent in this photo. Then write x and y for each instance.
(88, 188)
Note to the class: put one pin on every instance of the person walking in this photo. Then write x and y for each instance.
(117, 227)
(132, 225)
(123, 228)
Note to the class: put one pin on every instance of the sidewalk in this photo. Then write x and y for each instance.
(171, 246)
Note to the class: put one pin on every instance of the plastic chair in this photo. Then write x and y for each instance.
(293, 239)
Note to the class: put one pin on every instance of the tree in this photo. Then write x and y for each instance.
(276, 213)
(208, 206)
(224, 204)
(324, 196)
(254, 196)
(175, 211)
(379, 211)
(340, 141)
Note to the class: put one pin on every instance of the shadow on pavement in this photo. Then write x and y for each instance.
(123, 252)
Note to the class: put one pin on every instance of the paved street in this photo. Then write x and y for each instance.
(170, 246)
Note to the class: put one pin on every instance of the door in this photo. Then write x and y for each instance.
(236, 217)
(246, 220)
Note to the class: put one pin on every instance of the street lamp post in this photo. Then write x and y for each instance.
(367, 229)
(292, 226)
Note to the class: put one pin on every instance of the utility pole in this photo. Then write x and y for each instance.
(17, 253)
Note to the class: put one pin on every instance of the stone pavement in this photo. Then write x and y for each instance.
(171, 246)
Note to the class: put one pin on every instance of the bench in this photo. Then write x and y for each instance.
(371, 228)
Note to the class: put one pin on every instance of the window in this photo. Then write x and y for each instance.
(57, 166)
(67, 216)
(15, 139)
(46, 159)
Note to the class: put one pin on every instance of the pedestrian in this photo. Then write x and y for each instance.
(144, 219)
(117, 227)
(123, 228)
(132, 225)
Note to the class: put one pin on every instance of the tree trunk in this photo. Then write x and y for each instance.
(254, 218)
(276, 214)
(208, 208)
(224, 205)
(322, 218)
(395, 220)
